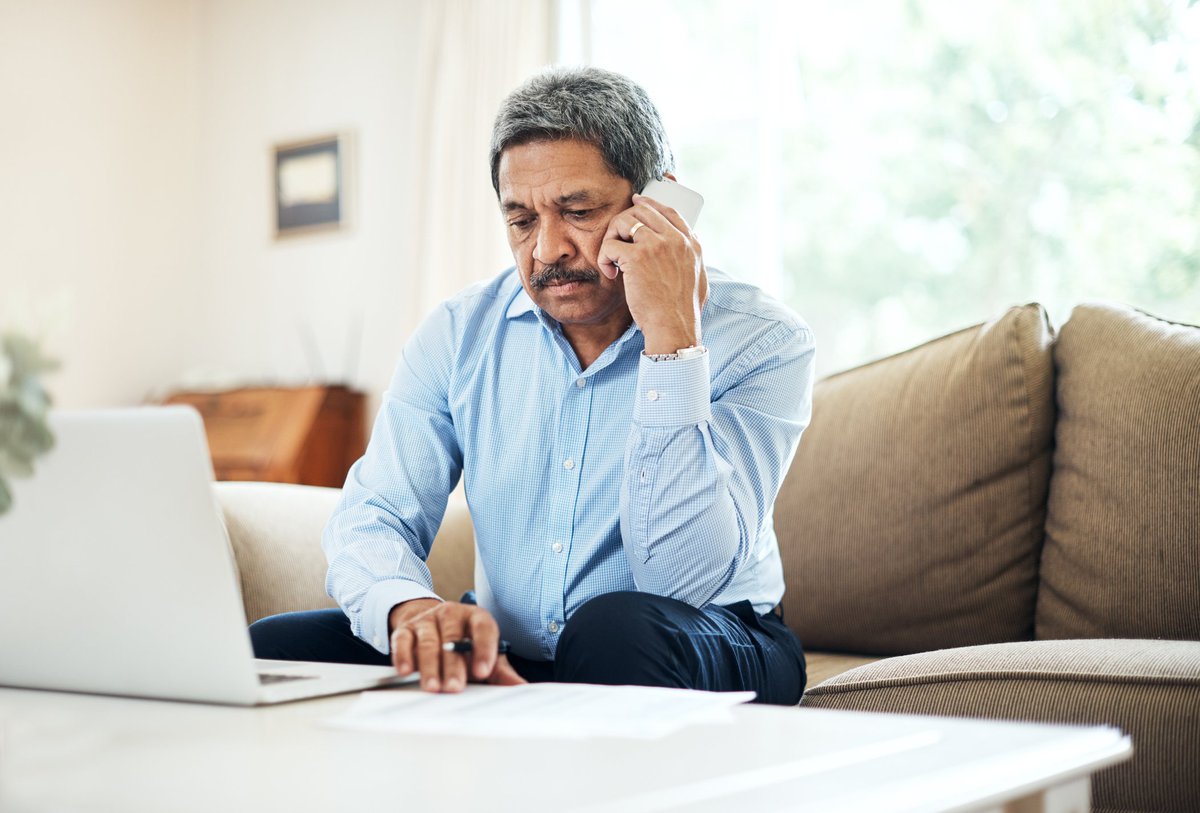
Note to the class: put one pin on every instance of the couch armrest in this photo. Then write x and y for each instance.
(275, 532)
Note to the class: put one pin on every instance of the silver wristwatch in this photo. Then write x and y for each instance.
(684, 353)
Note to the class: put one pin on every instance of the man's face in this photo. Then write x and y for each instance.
(557, 198)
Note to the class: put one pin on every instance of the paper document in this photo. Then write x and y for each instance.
(556, 710)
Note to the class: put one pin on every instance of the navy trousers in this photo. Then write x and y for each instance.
(624, 638)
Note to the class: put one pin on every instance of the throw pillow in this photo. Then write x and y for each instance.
(1122, 554)
(911, 518)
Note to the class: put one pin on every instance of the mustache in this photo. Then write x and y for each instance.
(560, 273)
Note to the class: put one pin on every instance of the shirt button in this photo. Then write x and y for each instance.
(556, 547)
(553, 627)
(652, 395)
(568, 464)
(580, 382)
(377, 641)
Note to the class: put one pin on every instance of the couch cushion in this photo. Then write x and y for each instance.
(1122, 551)
(1149, 689)
(912, 516)
(821, 666)
(275, 532)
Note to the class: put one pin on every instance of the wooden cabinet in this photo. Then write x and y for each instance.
(307, 435)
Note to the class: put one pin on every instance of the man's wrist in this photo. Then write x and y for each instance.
(407, 610)
(670, 343)
(682, 354)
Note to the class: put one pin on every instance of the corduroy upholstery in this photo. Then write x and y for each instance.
(934, 461)
(1149, 689)
(820, 666)
(1122, 551)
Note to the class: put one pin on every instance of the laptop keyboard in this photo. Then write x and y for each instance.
(274, 677)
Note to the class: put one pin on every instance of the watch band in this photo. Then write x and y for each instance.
(683, 353)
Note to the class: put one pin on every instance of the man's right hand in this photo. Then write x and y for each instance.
(420, 627)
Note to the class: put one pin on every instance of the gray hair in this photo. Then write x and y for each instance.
(590, 104)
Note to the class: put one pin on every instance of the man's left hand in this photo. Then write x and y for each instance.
(663, 272)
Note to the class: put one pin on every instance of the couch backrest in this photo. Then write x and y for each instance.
(1122, 551)
(912, 516)
(275, 532)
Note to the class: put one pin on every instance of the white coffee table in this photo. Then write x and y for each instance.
(66, 752)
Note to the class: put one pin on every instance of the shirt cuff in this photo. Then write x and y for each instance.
(673, 393)
(377, 606)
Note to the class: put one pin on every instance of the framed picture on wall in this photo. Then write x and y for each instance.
(311, 185)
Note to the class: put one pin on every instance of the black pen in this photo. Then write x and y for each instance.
(464, 646)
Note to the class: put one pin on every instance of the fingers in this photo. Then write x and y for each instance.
(613, 252)
(616, 245)
(620, 245)
(403, 637)
(454, 668)
(417, 644)
(663, 211)
(485, 637)
(653, 216)
(504, 674)
(429, 653)
(402, 645)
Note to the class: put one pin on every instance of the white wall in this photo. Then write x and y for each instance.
(277, 70)
(97, 174)
(135, 190)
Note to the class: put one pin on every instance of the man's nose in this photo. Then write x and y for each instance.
(553, 245)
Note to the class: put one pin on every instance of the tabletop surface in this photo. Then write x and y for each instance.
(61, 751)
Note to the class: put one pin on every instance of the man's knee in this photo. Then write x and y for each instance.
(621, 638)
(274, 637)
(311, 635)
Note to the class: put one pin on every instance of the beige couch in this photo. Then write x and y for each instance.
(999, 523)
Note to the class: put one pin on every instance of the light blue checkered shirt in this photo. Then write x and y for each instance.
(629, 475)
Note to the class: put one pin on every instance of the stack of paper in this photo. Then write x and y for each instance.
(558, 710)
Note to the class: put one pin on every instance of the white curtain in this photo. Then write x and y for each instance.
(473, 53)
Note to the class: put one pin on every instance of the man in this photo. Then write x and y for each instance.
(623, 418)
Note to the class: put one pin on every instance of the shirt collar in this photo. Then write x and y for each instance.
(520, 305)
(523, 304)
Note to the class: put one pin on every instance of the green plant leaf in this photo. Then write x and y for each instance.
(26, 357)
(15, 463)
(24, 404)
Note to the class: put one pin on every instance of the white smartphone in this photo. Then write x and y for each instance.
(687, 202)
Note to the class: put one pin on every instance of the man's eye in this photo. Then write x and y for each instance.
(580, 214)
(521, 224)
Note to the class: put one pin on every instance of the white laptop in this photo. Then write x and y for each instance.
(118, 576)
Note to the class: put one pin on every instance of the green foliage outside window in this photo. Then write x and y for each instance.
(898, 170)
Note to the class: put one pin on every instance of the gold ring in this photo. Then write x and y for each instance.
(636, 226)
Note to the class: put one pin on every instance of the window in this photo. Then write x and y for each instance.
(898, 170)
